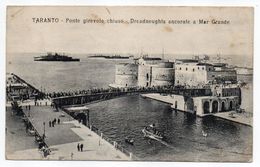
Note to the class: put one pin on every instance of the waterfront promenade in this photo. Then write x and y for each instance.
(156, 96)
(62, 139)
(241, 118)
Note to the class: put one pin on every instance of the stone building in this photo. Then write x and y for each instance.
(155, 72)
(221, 99)
(163, 74)
(146, 72)
(126, 75)
(193, 73)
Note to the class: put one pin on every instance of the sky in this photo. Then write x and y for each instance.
(231, 40)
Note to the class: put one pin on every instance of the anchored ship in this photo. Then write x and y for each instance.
(110, 57)
(55, 57)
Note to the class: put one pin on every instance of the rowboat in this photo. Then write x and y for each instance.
(152, 133)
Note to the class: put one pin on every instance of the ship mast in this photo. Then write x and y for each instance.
(163, 53)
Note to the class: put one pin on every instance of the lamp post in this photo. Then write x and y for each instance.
(43, 130)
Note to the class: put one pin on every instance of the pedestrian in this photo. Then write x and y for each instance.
(55, 120)
(26, 107)
(27, 128)
(46, 103)
(81, 147)
(78, 146)
(29, 107)
(58, 121)
(49, 123)
(52, 123)
(45, 152)
(71, 156)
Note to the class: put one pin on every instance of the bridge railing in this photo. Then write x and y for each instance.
(106, 138)
(87, 98)
(117, 145)
(107, 91)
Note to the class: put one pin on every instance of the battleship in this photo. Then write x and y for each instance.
(55, 57)
(110, 57)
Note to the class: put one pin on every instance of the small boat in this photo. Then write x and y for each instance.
(152, 133)
(129, 141)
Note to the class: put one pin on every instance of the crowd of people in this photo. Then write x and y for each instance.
(109, 90)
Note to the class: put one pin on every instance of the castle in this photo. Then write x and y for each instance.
(208, 88)
(150, 72)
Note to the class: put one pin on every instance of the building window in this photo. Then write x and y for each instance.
(193, 69)
(209, 69)
(198, 68)
(186, 69)
(202, 68)
(180, 68)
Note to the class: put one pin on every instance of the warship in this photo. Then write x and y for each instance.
(55, 57)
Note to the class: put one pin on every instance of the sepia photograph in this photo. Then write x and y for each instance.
(129, 83)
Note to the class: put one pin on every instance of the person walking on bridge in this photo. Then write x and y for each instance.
(78, 146)
(81, 147)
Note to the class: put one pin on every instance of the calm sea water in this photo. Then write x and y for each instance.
(126, 116)
(63, 76)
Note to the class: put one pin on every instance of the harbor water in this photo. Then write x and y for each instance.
(122, 117)
(126, 116)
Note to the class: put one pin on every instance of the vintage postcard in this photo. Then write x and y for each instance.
(129, 83)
